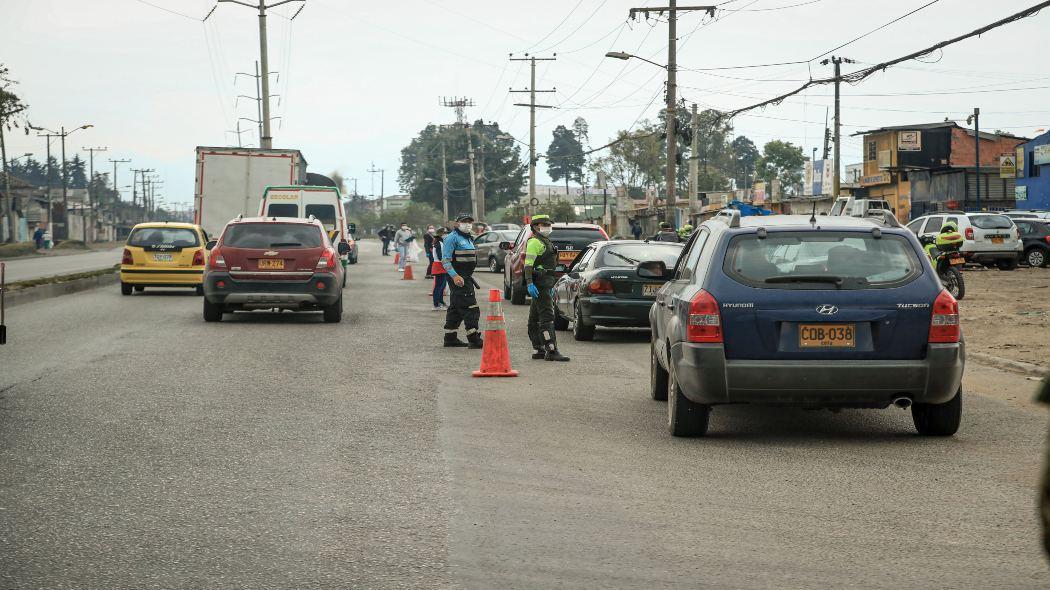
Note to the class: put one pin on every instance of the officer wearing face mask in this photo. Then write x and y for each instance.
(541, 257)
(459, 259)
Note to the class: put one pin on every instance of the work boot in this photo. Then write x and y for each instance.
(474, 340)
(554, 355)
(550, 343)
(452, 341)
(539, 354)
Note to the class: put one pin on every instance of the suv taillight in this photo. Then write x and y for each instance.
(327, 260)
(969, 233)
(216, 260)
(126, 258)
(198, 258)
(600, 286)
(705, 323)
(944, 324)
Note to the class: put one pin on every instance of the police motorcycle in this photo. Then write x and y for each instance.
(947, 261)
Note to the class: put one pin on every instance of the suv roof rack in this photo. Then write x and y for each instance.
(730, 217)
(886, 216)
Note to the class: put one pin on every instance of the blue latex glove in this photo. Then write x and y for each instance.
(534, 292)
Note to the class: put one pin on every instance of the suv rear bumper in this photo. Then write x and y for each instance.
(706, 377)
(991, 256)
(267, 294)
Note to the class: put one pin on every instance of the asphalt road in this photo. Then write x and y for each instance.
(48, 266)
(141, 447)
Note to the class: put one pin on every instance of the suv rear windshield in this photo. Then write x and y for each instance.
(821, 260)
(991, 222)
(580, 238)
(166, 237)
(272, 235)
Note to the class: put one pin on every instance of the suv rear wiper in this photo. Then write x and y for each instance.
(837, 281)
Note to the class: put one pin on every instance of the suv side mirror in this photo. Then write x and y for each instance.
(210, 244)
(654, 269)
(343, 248)
(505, 246)
(352, 228)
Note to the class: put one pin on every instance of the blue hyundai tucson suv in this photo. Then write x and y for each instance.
(815, 312)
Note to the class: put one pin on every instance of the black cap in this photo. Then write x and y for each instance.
(464, 217)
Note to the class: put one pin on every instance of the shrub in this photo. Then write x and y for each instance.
(71, 245)
(17, 249)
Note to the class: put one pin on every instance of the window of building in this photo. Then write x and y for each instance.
(1033, 169)
(873, 151)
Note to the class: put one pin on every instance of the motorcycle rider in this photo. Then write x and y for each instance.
(947, 240)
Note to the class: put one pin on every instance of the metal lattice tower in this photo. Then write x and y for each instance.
(459, 104)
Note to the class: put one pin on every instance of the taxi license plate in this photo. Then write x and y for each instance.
(162, 258)
(827, 336)
(957, 260)
(271, 264)
(650, 289)
(997, 239)
(567, 256)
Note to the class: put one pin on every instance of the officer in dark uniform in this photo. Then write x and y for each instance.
(1043, 396)
(459, 258)
(541, 257)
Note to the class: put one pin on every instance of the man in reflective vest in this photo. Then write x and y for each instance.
(459, 259)
(541, 257)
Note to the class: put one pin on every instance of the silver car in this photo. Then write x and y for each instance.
(991, 238)
(489, 253)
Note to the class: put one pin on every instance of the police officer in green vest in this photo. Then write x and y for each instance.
(541, 257)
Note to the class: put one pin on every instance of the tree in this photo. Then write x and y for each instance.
(415, 215)
(12, 110)
(499, 157)
(562, 211)
(76, 171)
(781, 160)
(565, 159)
(744, 157)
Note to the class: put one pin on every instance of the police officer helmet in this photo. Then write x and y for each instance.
(949, 227)
(463, 217)
(541, 219)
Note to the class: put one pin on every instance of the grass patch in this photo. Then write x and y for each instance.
(30, 283)
(71, 245)
(17, 249)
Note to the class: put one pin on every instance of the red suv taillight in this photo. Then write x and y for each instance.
(600, 287)
(969, 233)
(126, 258)
(327, 260)
(705, 323)
(198, 258)
(216, 261)
(944, 324)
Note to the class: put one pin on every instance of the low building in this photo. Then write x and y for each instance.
(1033, 174)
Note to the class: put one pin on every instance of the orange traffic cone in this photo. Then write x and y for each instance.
(495, 356)
(408, 273)
(397, 258)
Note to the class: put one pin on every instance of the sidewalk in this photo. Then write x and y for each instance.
(35, 267)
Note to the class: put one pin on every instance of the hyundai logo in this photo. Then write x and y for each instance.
(827, 309)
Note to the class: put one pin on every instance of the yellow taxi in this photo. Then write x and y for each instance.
(163, 254)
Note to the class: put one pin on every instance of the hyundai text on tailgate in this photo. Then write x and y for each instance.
(273, 263)
(838, 312)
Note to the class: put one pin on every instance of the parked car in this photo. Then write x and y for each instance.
(859, 207)
(1035, 237)
(489, 252)
(163, 254)
(842, 313)
(991, 238)
(505, 227)
(569, 238)
(273, 262)
(603, 288)
(1027, 214)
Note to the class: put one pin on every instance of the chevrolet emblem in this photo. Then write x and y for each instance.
(270, 253)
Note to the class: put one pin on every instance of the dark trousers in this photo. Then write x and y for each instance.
(386, 246)
(541, 318)
(440, 280)
(462, 307)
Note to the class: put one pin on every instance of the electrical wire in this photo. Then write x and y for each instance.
(879, 28)
(771, 9)
(556, 27)
(601, 4)
(168, 10)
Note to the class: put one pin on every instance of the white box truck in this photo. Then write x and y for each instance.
(230, 182)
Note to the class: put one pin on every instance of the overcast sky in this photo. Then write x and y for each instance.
(359, 79)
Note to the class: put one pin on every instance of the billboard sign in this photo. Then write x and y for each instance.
(758, 196)
(1007, 166)
(1041, 154)
(909, 141)
(1021, 193)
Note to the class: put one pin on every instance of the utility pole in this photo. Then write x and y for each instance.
(975, 118)
(91, 178)
(694, 164)
(265, 140)
(116, 187)
(134, 188)
(473, 177)
(672, 11)
(7, 202)
(47, 182)
(444, 184)
(532, 115)
(382, 182)
(481, 176)
(258, 97)
(838, 61)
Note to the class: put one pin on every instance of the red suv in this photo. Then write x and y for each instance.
(569, 238)
(273, 262)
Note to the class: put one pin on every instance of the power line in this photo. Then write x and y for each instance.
(573, 32)
(879, 28)
(770, 9)
(556, 27)
(168, 10)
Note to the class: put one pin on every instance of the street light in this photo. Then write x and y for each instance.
(625, 56)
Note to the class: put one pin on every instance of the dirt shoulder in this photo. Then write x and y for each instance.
(1007, 314)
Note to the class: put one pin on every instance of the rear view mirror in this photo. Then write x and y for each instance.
(343, 248)
(504, 246)
(210, 244)
(654, 269)
(352, 228)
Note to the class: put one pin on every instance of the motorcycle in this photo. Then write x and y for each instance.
(948, 263)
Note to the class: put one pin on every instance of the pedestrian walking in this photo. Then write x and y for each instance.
(459, 259)
(428, 245)
(38, 237)
(385, 234)
(636, 229)
(437, 270)
(541, 258)
(402, 238)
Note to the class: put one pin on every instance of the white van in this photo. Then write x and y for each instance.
(323, 202)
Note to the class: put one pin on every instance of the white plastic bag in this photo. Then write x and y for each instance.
(412, 252)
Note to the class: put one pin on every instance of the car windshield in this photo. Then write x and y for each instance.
(629, 255)
(821, 260)
(991, 222)
(169, 237)
(272, 235)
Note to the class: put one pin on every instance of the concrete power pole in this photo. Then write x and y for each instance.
(473, 176)
(444, 185)
(532, 116)
(975, 118)
(672, 11)
(382, 183)
(837, 62)
(91, 199)
(694, 163)
(266, 141)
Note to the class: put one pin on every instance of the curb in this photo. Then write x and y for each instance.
(1027, 369)
(48, 291)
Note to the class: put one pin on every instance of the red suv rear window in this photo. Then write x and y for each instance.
(272, 235)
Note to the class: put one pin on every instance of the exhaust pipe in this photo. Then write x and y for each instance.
(902, 402)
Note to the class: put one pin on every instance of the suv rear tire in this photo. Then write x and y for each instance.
(1007, 264)
(333, 314)
(657, 376)
(212, 311)
(493, 265)
(938, 419)
(684, 417)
